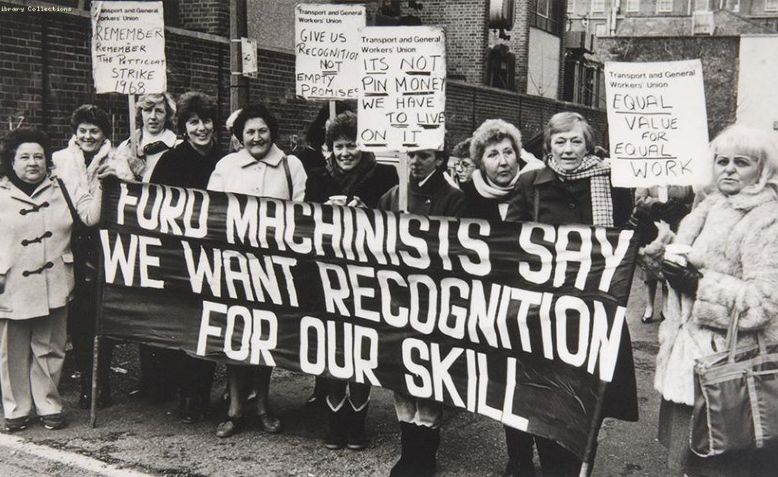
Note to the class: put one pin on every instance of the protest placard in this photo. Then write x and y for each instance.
(128, 47)
(518, 322)
(327, 50)
(402, 88)
(657, 123)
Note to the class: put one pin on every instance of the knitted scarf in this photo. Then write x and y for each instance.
(600, 185)
(348, 180)
(489, 189)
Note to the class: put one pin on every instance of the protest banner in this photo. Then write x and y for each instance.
(327, 50)
(128, 47)
(495, 318)
(402, 88)
(657, 123)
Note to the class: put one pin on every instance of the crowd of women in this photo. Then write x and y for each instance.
(50, 204)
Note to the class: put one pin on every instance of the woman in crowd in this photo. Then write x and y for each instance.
(311, 155)
(88, 149)
(154, 118)
(36, 276)
(732, 268)
(463, 165)
(495, 147)
(574, 188)
(259, 169)
(429, 193)
(678, 203)
(357, 176)
(190, 164)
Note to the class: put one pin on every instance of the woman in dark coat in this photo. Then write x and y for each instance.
(496, 150)
(574, 188)
(349, 172)
(190, 164)
(357, 176)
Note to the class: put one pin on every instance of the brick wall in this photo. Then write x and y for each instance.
(59, 45)
(466, 34)
(206, 16)
(720, 62)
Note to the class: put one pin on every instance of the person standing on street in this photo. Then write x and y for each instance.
(429, 193)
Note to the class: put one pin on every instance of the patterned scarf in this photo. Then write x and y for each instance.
(600, 185)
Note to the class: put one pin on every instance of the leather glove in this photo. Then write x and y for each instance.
(642, 221)
(684, 279)
(672, 211)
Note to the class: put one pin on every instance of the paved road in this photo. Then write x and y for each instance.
(149, 439)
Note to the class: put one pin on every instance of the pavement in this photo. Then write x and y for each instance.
(135, 438)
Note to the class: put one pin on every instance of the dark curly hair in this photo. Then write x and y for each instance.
(252, 111)
(91, 114)
(316, 130)
(19, 136)
(191, 103)
(343, 126)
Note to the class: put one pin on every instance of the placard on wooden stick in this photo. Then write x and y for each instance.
(657, 123)
(128, 47)
(402, 93)
(327, 50)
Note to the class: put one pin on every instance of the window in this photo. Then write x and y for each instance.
(633, 5)
(548, 16)
(770, 5)
(734, 5)
(598, 6)
(570, 6)
(601, 30)
(701, 6)
(664, 6)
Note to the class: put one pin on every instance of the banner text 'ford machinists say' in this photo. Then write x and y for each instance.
(518, 322)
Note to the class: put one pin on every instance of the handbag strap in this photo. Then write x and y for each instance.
(732, 334)
(71, 207)
(288, 174)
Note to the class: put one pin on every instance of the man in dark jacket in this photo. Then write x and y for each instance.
(429, 193)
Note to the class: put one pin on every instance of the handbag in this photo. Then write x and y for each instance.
(735, 397)
(83, 243)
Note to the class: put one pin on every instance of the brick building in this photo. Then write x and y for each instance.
(672, 17)
(45, 63)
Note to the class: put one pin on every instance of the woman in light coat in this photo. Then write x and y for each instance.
(88, 149)
(260, 168)
(36, 277)
(732, 268)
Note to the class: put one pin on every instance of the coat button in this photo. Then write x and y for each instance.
(571, 205)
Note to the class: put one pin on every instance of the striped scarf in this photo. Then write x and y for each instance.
(600, 185)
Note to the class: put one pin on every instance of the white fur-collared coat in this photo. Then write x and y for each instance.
(734, 244)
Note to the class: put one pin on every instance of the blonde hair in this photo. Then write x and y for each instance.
(756, 143)
(146, 101)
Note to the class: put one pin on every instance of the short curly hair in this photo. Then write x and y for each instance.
(462, 149)
(19, 136)
(490, 132)
(191, 103)
(343, 126)
(252, 111)
(91, 114)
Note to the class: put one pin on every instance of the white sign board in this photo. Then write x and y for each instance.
(657, 123)
(128, 47)
(248, 53)
(327, 50)
(402, 95)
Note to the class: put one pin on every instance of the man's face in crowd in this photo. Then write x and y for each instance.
(423, 163)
